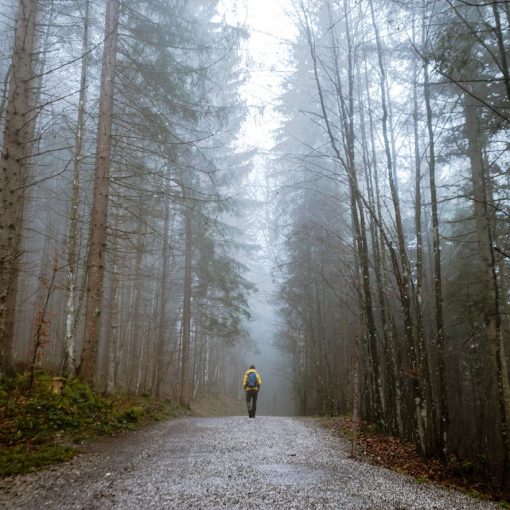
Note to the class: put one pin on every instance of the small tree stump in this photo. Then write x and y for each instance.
(57, 385)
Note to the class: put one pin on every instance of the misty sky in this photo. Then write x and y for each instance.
(267, 48)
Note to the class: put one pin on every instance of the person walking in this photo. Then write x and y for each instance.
(251, 385)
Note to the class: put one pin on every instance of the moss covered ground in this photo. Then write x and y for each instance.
(39, 426)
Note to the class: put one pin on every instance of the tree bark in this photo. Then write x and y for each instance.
(99, 215)
(114, 314)
(136, 341)
(444, 416)
(16, 150)
(503, 65)
(185, 398)
(69, 361)
(163, 319)
(356, 400)
(5, 91)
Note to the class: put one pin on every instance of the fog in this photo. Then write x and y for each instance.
(271, 34)
(191, 187)
(268, 355)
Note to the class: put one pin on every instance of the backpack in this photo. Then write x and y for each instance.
(252, 380)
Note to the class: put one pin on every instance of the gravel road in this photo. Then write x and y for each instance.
(233, 462)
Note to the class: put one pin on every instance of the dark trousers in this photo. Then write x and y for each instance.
(251, 401)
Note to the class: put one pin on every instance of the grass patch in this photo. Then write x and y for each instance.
(39, 427)
(25, 458)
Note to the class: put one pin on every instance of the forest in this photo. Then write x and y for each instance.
(124, 247)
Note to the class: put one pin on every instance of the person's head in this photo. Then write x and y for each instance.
(252, 367)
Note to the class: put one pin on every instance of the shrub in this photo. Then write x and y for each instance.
(37, 425)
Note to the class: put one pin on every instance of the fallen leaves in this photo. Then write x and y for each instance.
(402, 456)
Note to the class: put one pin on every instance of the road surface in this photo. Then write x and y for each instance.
(231, 462)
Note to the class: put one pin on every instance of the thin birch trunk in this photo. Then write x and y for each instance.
(69, 361)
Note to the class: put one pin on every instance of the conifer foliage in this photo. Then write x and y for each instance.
(119, 120)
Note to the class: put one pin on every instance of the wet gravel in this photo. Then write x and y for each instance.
(232, 462)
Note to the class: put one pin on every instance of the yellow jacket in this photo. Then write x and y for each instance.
(245, 380)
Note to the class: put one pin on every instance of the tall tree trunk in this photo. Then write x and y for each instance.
(329, 403)
(99, 215)
(444, 416)
(148, 340)
(503, 351)
(113, 327)
(185, 398)
(356, 399)
(16, 150)
(163, 319)
(113, 332)
(69, 361)
(50, 232)
(426, 386)
(136, 341)
(488, 270)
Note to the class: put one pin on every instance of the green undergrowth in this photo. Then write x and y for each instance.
(39, 427)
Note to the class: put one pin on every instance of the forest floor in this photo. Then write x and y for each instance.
(217, 405)
(384, 450)
(40, 426)
(228, 462)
